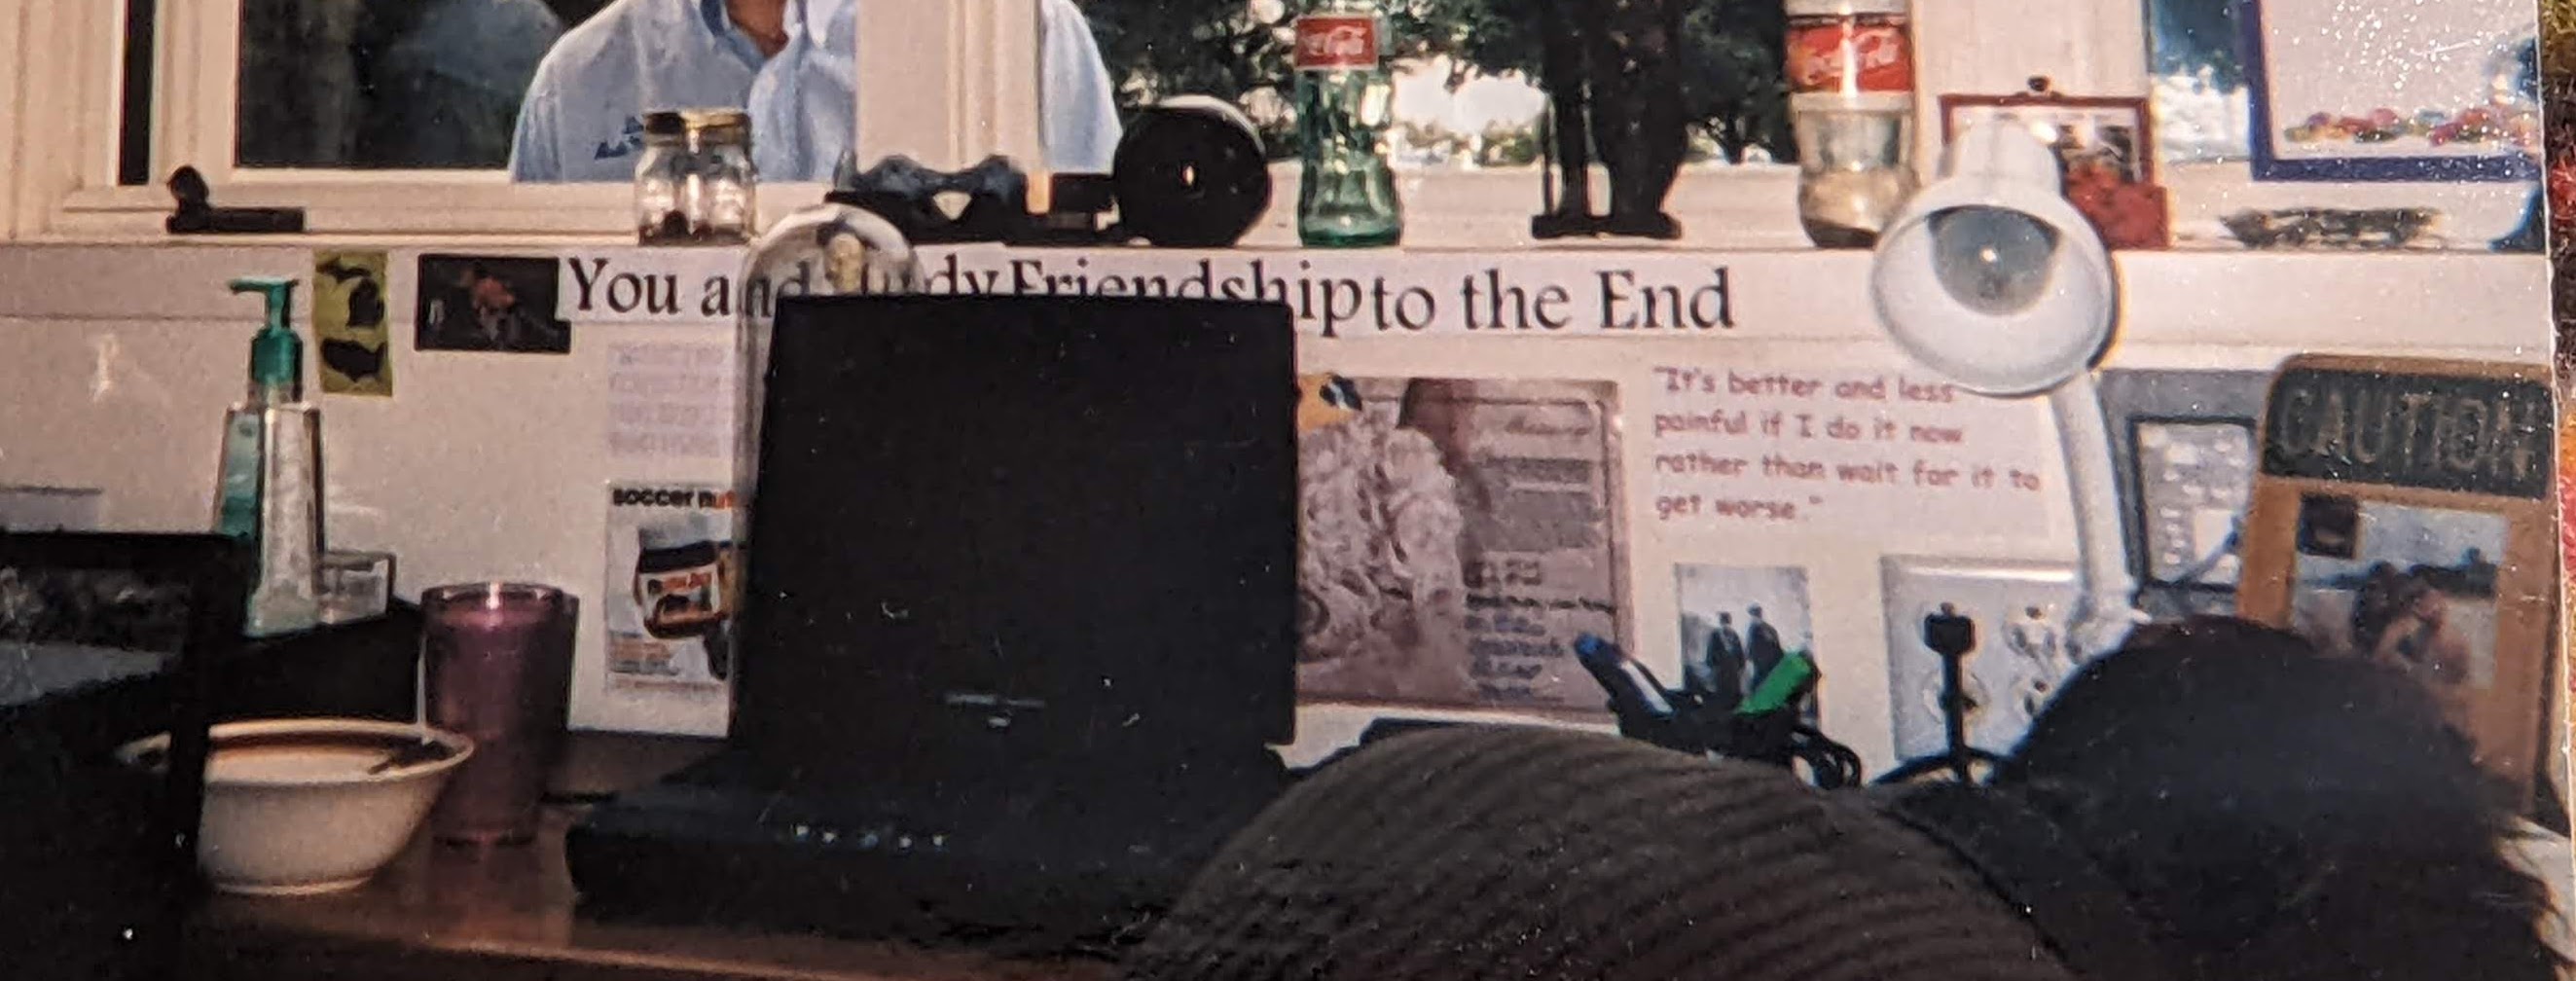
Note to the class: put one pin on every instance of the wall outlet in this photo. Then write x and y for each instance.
(2019, 660)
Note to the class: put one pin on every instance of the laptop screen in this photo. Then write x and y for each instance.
(1031, 526)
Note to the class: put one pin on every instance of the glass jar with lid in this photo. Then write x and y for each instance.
(694, 183)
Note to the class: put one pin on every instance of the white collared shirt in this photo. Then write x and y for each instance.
(582, 119)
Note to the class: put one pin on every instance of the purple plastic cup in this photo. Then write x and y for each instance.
(496, 666)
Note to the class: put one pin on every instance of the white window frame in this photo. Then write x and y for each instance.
(195, 70)
(61, 126)
(927, 90)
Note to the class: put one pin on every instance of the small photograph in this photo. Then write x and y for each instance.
(2195, 481)
(1458, 537)
(2411, 587)
(2183, 447)
(352, 342)
(2097, 140)
(487, 303)
(2329, 527)
(1746, 636)
(2004, 623)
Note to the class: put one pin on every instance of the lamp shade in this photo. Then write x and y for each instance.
(1989, 277)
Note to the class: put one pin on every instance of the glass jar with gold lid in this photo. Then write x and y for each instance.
(695, 183)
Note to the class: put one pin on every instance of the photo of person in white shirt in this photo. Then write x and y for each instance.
(792, 64)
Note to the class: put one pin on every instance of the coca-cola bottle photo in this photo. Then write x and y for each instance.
(1850, 68)
(1345, 98)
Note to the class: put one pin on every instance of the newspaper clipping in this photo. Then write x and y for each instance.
(1459, 537)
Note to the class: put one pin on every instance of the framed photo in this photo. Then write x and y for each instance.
(490, 303)
(2428, 92)
(2183, 449)
(2193, 479)
(2403, 512)
(1459, 535)
(2105, 150)
(2111, 134)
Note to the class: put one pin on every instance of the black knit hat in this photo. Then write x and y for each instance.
(1543, 854)
(2214, 802)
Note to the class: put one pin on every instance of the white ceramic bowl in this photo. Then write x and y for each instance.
(291, 808)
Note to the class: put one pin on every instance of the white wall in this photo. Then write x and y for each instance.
(118, 361)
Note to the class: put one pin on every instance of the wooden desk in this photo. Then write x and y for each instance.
(447, 914)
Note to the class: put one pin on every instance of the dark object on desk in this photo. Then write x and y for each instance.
(197, 215)
(106, 638)
(1048, 692)
(1612, 72)
(358, 670)
(2331, 228)
(907, 193)
(1189, 173)
(1077, 204)
(2217, 800)
(1764, 729)
(451, 914)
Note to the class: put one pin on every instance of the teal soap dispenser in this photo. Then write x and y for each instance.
(269, 490)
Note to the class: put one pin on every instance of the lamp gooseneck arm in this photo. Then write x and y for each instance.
(2106, 610)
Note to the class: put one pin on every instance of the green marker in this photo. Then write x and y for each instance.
(1781, 685)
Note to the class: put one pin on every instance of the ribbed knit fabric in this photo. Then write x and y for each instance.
(1537, 855)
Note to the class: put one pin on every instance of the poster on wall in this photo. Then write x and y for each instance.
(1739, 448)
(2403, 513)
(1458, 537)
(669, 615)
(672, 400)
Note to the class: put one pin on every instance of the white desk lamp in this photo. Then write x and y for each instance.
(1990, 279)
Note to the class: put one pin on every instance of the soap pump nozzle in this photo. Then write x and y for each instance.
(276, 354)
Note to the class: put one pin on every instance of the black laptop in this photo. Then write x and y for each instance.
(1018, 629)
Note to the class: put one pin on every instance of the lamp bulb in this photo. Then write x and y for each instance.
(1995, 261)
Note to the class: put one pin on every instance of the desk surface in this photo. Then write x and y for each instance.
(445, 912)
